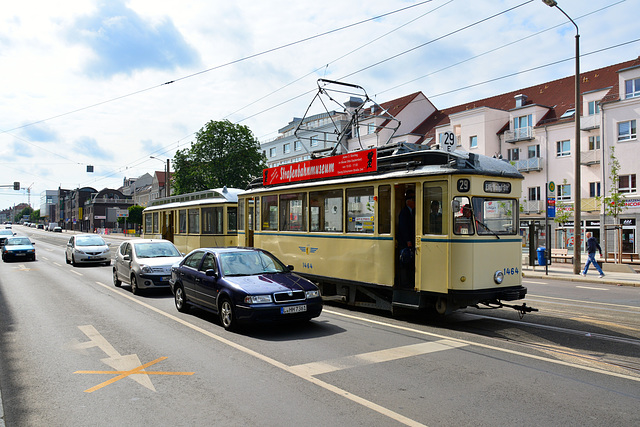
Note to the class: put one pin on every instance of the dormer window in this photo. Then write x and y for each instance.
(632, 88)
(569, 113)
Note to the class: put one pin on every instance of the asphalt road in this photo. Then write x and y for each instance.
(75, 350)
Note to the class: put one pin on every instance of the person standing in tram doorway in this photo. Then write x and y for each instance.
(406, 235)
(592, 246)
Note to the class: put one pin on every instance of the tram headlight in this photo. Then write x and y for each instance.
(498, 277)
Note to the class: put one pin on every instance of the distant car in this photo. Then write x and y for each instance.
(145, 264)
(18, 247)
(243, 285)
(87, 248)
(4, 233)
(57, 229)
(40, 226)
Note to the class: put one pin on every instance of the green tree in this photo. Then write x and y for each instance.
(614, 203)
(34, 216)
(24, 212)
(564, 212)
(135, 216)
(224, 154)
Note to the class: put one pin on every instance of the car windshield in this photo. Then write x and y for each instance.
(7, 232)
(156, 250)
(89, 241)
(249, 262)
(19, 241)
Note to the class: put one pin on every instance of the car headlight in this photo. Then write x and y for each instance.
(145, 269)
(312, 294)
(498, 277)
(258, 299)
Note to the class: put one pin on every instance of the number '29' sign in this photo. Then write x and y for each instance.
(448, 141)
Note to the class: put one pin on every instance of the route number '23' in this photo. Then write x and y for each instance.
(448, 141)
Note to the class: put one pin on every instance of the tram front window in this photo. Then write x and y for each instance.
(495, 216)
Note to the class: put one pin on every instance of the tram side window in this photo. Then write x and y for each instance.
(384, 209)
(433, 207)
(293, 208)
(212, 220)
(155, 222)
(232, 219)
(182, 221)
(462, 217)
(269, 212)
(194, 221)
(325, 210)
(360, 210)
(240, 211)
(148, 223)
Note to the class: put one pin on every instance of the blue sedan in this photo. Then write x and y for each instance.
(243, 285)
(18, 248)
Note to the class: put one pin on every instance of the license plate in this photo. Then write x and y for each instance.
(293, 309)
(165, 278)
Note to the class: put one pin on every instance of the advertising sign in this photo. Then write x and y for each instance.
(551, 207)
(345, 164)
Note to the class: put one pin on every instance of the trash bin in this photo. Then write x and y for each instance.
(542, 259)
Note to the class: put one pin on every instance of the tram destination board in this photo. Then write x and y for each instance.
(345, 164)
(497, 187)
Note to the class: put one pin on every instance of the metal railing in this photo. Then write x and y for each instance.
(591, 157)
(590, 122)
(528, 165)
(520, 134)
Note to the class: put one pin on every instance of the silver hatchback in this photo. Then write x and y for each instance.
(145, 264)
(87, 248)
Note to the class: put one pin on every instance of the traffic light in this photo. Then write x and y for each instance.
(16, 185)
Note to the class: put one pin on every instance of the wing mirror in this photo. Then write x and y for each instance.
(211, 273)
(290, 267)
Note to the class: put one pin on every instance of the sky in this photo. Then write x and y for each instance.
(110, 83)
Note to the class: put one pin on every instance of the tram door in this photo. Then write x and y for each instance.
(433, 255)
(249, 224)
(405, 214)
(167, 232)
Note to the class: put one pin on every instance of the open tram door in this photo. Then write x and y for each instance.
(248, 206)
(405, 237)
(167, 226)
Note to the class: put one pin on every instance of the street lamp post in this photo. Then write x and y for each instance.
(577, 222)
(167, 187)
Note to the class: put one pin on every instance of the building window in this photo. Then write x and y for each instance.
(627, 130)
(272, 152)
(473, 142)
(564, 192)
(594, 108)
(563, 148)
(627, 183)
(371, 128)
(594, 142)
(286, 148)
(313, 142)
(513, 154)
(533, 151)
(594, 189)
(534, 193)
(297, 146)
(632, 88)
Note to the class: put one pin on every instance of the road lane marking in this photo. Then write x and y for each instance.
(125, 366)
(387, 355)
(595, 289)
(75, 272)
(55, 263)
(582, 301)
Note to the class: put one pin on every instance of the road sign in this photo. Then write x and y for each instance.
(552, 187)
(122, 213)
(551, 206)
(448, 141)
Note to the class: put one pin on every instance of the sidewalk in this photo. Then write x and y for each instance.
(564, 271)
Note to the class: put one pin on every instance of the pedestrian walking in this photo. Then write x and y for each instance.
(592, 247)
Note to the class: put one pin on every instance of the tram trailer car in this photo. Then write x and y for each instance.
(341, 232)
(196, 220)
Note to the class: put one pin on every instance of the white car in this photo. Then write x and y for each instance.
(87, 248)
(145, 264)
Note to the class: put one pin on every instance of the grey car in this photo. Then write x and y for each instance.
(145, 264)
(87, 248)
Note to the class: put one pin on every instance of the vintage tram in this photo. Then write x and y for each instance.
(336, 221)
(195, 220)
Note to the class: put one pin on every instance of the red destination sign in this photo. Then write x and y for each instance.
(345, 164)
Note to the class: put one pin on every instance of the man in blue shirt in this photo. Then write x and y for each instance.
(592, 246)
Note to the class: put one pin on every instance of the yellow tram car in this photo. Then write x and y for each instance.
(341, 231)
(195, 220)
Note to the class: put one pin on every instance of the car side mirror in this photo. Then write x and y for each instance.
(290, 267)
(127, 257)
(211, 273)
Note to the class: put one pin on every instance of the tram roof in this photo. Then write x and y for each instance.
(406, 160)
(215, 195)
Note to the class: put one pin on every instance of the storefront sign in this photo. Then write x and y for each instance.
(346, 164)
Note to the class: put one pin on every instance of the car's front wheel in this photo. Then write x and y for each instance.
(180, 299)
(134, 285)
(226, 312)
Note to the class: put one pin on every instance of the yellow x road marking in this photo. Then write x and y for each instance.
(124, 374)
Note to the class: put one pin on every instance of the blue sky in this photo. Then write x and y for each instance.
(83, 80)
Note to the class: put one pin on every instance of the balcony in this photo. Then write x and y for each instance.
(590, 204)
(591, 157)
(529, 165)
(532, 206)
(520, 134)
(590, 122)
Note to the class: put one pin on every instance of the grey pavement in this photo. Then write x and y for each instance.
(614, 274)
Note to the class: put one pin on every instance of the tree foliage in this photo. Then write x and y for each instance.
(223, 154)
(614, 203)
